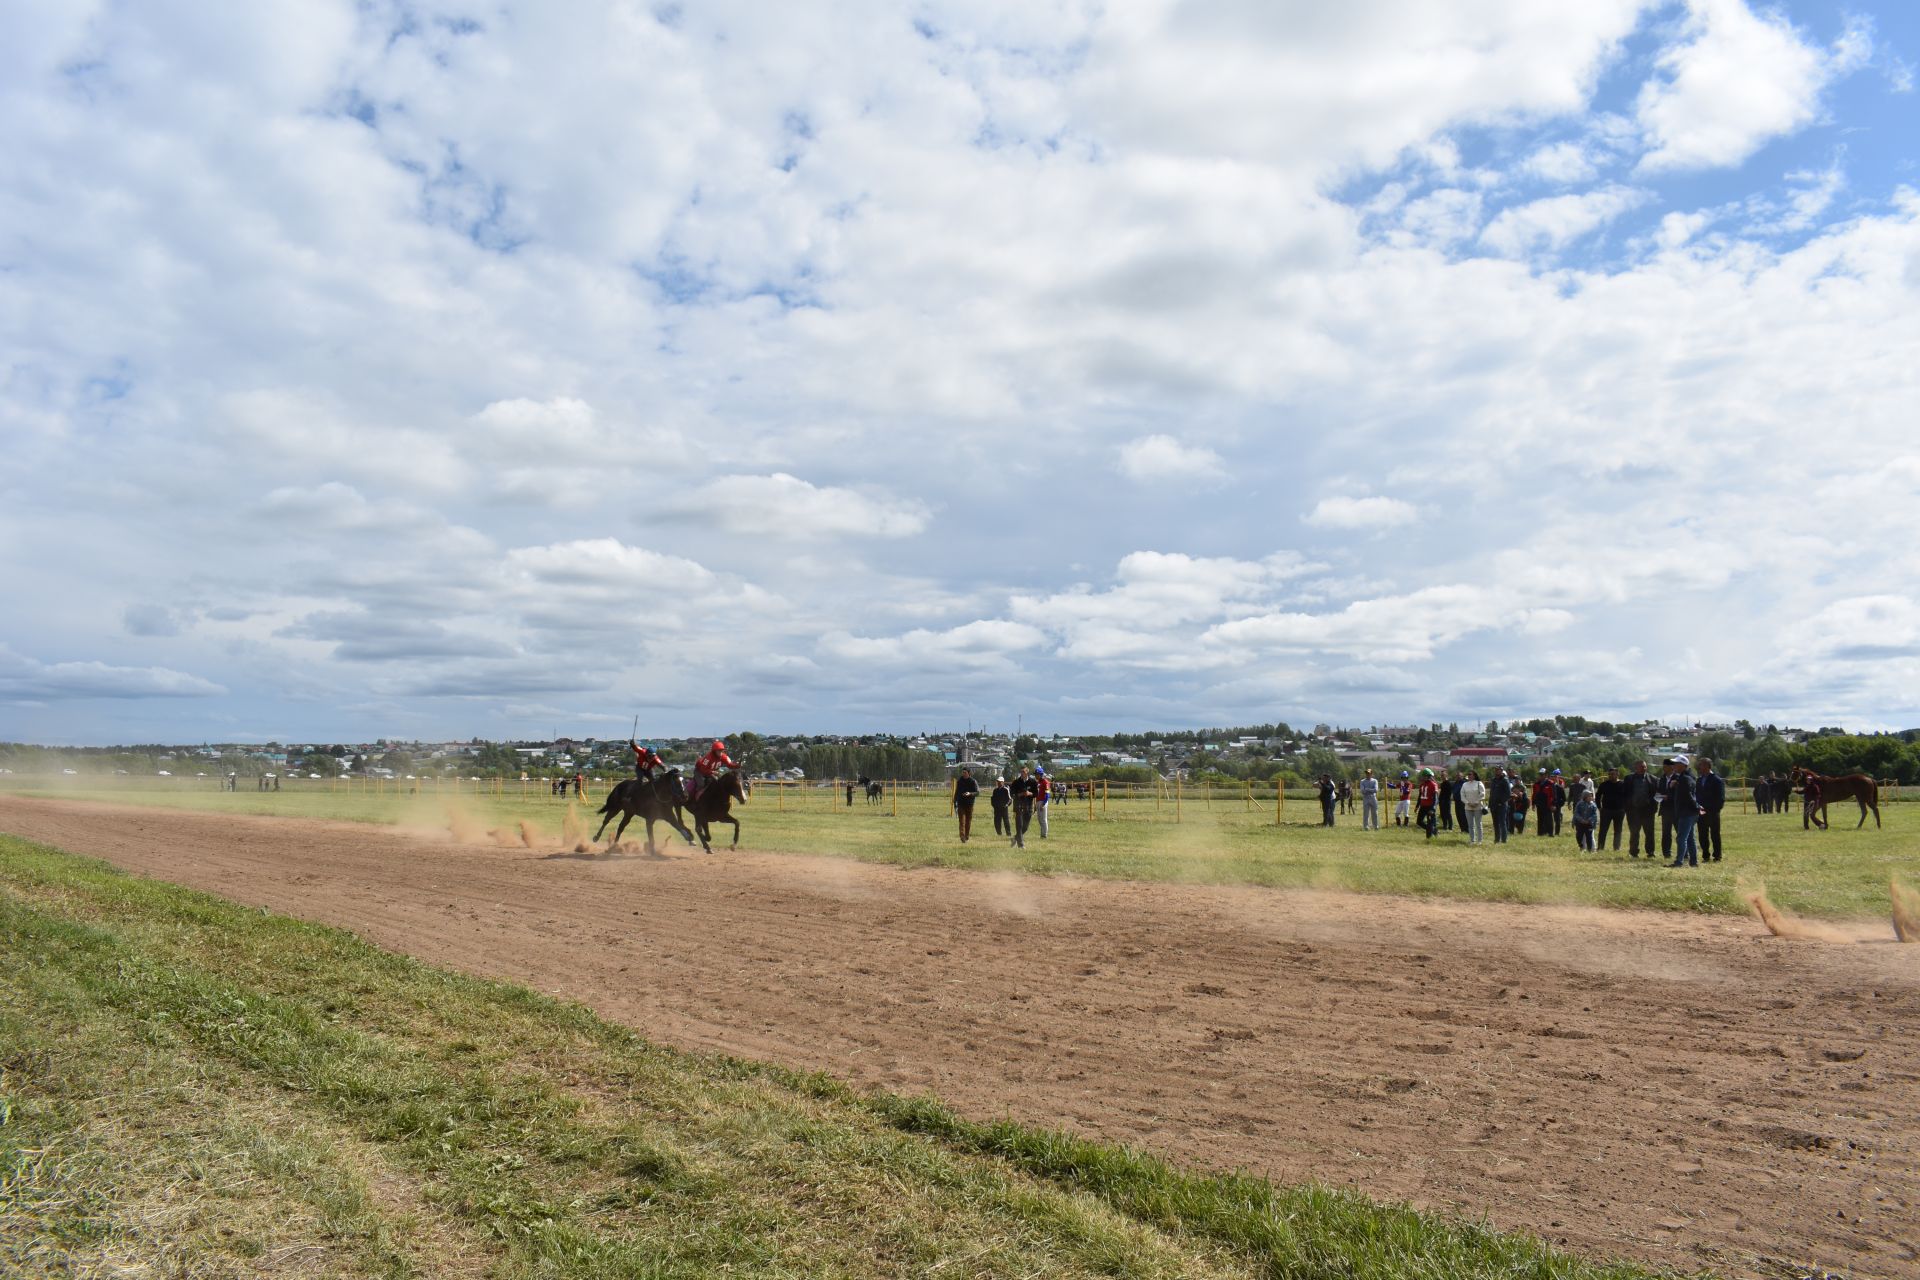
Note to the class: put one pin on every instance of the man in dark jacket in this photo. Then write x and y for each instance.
(1642, 796)
(965, 792)
(1499, 796)
(1002, 801)
(1459, 805)
(1447, 788)
(1711, 791)
(1611, 796)
(1680, 810)
(1025, 789)
(1328, 795)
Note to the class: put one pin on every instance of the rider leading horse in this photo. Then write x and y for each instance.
(1852, 786)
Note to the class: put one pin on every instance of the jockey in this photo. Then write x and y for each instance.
(708, 766)
(645, 761)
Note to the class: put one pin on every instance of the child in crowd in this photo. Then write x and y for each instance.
(1586, 816)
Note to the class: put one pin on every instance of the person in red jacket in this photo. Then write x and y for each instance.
(645, 761)
(708, 766)
(1429, 801)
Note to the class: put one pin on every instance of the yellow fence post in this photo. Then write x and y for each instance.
(1179, 785)
(893, 785)
(1279, 799)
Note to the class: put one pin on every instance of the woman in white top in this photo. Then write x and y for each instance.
(1473, 798)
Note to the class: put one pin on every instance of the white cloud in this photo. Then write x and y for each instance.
(1361, 513)
(1557, 220)
(1564, 163)
(1737, 80)
(1158, 459)
(23, 678)
(1442, 218)
(790, 507)
(985, 643)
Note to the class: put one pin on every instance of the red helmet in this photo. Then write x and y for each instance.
(719, 745)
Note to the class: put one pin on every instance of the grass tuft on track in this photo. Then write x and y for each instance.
(192, 1087)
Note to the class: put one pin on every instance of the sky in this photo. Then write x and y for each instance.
(451, 369)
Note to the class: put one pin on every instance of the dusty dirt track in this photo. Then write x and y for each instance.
(1683, 1090)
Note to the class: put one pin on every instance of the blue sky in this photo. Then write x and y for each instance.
(452, 368)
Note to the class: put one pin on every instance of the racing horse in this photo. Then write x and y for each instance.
(1852, 786)
(715, 804)
(653, 800)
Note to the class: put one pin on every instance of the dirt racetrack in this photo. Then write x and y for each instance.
(1685, 1090)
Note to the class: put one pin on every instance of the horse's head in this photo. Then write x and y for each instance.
(735, 782)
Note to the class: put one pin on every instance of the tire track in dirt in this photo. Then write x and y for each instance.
(1684, 1090)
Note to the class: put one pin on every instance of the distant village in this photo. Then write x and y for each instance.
(1251, 752)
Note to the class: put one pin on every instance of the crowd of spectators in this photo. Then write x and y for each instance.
(1684, 801)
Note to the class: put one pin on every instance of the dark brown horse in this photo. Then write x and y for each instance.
(656, 800)
(715, 804)
(1852, 786)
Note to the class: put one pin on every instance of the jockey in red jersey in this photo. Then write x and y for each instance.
(645, 761)
(708, 766)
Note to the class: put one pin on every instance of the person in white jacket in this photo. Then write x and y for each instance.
(1473, 798)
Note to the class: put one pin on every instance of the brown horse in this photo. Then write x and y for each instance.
(1852, 786)
(715, 804)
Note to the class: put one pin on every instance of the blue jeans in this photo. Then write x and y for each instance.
(1684, 849)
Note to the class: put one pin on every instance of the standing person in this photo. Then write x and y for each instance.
(1023, 789)
(1402, 809)
(1369, 802)
(1711, 791)
(1517, 819)
(1682, 808)
(1429, 801)
(965, 792)
(1611, 799)
(1499, 803)
(1445, 802)
(1559, 785)
(1642, 799)
(1810, 804)
(850, 793)
(1460, 806)
(1665, 786)
(1001, 800)
(1042, 798)
(1586, 816)
(1328, 794)
(1542, 804)
(1471, 796)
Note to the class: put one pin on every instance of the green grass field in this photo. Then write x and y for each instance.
(1836, 873)
(189, 1087)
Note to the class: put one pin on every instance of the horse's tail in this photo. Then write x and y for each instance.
(618, 791)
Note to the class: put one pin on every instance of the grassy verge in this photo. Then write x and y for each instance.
(191, 1087)
(1842, 872)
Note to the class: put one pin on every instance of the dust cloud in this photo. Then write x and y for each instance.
(1784, 924)
(1906, 911)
